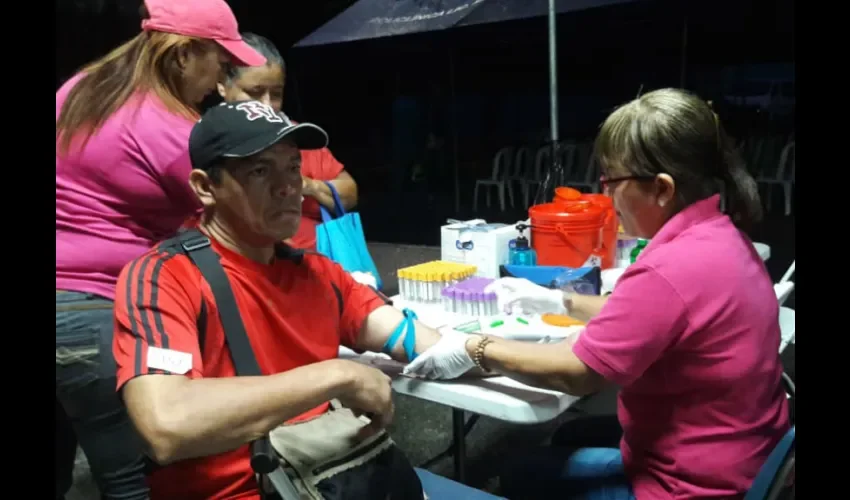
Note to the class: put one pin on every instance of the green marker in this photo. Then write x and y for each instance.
(520, 320)
(497, 323)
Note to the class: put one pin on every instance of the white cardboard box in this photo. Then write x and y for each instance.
(478, 243)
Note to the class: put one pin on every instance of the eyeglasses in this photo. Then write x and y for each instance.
(606, 181)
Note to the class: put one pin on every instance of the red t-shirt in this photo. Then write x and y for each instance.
(691, 335)
(296, 311)
(318, 164)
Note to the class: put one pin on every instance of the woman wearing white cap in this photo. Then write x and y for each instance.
(122, 170)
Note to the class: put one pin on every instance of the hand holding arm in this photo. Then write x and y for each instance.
(344, 184)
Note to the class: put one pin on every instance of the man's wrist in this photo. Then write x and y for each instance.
(343, 379)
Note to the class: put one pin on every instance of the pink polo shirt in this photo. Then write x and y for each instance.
(127, 189)
(691, 335)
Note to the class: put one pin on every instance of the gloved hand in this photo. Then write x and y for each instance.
(447, 359)
(517, 294)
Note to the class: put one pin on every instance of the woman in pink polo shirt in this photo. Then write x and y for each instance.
(122, 184)
(690, 334)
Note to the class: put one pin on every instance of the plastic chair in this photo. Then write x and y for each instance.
(439, 487)
(589, 178)
(520, 169)
(787, 327)
(772, 479)
(501, 164)
(541, 162)
(789, 273)
(785, 286)
(784, 176)
(783, 291)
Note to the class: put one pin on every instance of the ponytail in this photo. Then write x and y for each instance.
(743, 204)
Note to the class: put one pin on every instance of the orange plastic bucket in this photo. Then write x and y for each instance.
(612, 225)
(609, 232)
(568, 233)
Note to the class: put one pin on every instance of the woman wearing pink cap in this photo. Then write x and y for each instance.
(122, 170)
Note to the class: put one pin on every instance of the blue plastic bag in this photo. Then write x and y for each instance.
(341, 239)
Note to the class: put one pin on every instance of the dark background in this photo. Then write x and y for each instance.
(500, 82)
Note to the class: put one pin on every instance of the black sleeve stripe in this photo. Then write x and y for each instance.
(202, 326)
(134, 327)
(338, 297)
(138, 308)
(154, 306)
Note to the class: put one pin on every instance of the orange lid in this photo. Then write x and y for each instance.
(561, 320)
(564, 193)
(568, 211)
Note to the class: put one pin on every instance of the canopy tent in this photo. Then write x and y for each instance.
(369, 19)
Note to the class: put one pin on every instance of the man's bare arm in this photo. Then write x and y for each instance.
(381, 323)
(183, 418)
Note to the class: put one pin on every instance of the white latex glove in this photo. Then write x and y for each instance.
(446, 359)
(521, 295)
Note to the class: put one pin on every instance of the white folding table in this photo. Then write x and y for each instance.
(500, 398)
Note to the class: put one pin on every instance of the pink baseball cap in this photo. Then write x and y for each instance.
(210, 19)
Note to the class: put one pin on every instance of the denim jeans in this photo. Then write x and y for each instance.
(582, 463)
(88, 409)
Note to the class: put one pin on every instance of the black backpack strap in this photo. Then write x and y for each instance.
(196, 246)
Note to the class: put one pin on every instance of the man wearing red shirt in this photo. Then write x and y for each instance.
(175, 370)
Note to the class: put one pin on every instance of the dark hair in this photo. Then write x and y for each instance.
(674, 132)
(262, 45)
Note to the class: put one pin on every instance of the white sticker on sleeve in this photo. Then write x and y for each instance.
(176, 362)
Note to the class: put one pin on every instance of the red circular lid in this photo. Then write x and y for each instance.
(568, 211)
(564, 193)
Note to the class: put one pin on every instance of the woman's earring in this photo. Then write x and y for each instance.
(661, 203)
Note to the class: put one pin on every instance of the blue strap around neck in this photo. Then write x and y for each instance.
(407, 327)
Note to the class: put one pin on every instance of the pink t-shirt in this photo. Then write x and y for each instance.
(127, 189)
(691, 335)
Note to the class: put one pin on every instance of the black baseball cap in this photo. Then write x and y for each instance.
(244, 128)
